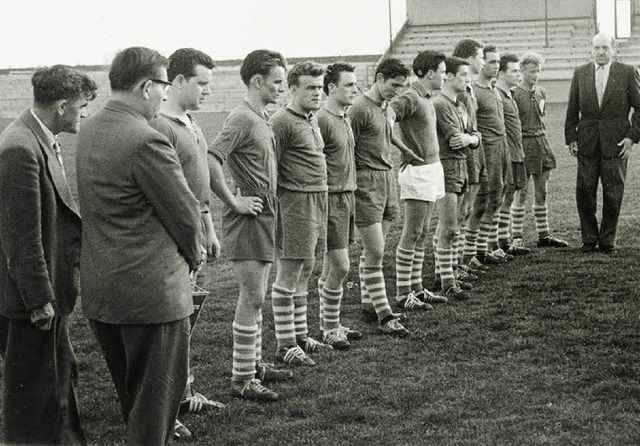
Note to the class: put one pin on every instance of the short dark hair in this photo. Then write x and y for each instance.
(132, 64)
(489, 49)
(427, 60)
(61, 82)
(392, 67)
(466, 48)
(260, 62)
(307, 68)
(454, 63)
(185, 60)
(332, 74)
(506, 59)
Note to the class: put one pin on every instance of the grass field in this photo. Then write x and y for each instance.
(547, 353)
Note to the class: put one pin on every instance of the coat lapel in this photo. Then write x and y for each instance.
(611, 82)
(58, 178)
(590, 83)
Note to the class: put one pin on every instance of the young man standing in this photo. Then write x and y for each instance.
(372, 122)
(302, 191)
(421, 182)
(341, 89)
(508, 77)
(538, 157)
(456, 134)
(250, 221)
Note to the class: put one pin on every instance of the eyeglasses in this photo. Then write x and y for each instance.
(167, 84)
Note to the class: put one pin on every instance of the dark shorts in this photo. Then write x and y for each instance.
(498, 165)
(376, 197)
(456, 175)
(476, 168)
(538, 156)
(253, 238)
(519, 180)
(304, 224)
(341, 220)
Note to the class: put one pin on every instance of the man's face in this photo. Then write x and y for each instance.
(196, 88)
(345, 92)
(272, 85)
(391, 87)
(460, 80)
(602, 49)
(531, 73)
(308, 92)
(512, 74)
(157, 93)
(492, 65)
(477, 62)
(439, 76)
(74, 111)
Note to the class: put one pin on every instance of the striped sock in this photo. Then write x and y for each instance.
(259, 337)
(436, 263)
(244, 353)
(455, 254)
(374, 280)
(331, 308)
(300, 315)
(517, 221)
(481, 241)
(404, 266)
(542, 222)
(447, 277)
(470, 245)
(492, 241)
(365, 298)
(282, 303)
(503, 226)
(321, 282)
(416, 269)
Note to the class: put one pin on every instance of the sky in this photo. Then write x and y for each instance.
(90, 32)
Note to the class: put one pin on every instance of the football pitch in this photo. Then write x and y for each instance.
(546, 353)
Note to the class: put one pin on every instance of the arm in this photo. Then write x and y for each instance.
(453, 132)
(160, 177)
(21, 232)
(396, 141)
(403, 106)
(212, 244)
(633, 135)
(573, 112)
(239, 204)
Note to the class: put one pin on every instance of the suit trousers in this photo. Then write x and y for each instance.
(40, 371)
(612, 173)
(148, 364)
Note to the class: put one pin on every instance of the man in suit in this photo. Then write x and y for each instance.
(40, 233)
(598, 132)
(140, 242)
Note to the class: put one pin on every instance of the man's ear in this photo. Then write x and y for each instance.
(145, 87)
(61, 105)
(257, 81)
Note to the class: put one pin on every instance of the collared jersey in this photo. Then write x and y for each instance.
(299, 151)
(416, 117)
(512, 126)
(191, 147)
(247, 144)
(452, 118)
(531, 108)
(489, 115)
(372, 124)
(338, 150)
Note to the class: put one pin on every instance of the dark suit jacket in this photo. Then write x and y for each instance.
(40, 226)
(608, 124)
(140, 221)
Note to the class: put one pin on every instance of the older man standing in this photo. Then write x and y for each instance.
(598, 132)
(40, 246)
(140, 241)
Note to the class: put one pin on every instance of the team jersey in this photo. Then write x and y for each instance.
(372, 124)
(452, 118)
(489, 115)
(532, 108)
(338, 150)
(512, 126)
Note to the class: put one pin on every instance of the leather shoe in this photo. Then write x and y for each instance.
(608, 249)
(588, 247)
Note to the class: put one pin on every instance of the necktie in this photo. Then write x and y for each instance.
(600, 83)
(58, 151)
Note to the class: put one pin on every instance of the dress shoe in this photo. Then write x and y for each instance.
(608, 249)
(588, 247)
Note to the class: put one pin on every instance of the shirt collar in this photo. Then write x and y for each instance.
(262, 114)
(51, 138)
(606, 66)
(506, 92)
(306, 117)
(422, 90)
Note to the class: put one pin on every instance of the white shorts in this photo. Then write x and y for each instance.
(424, 183)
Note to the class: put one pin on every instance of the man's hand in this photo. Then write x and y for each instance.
(573, 148)
(247, 205)
(626, 145)
(461, 140)
(42, 317)
(212, 244)
(413, 157)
